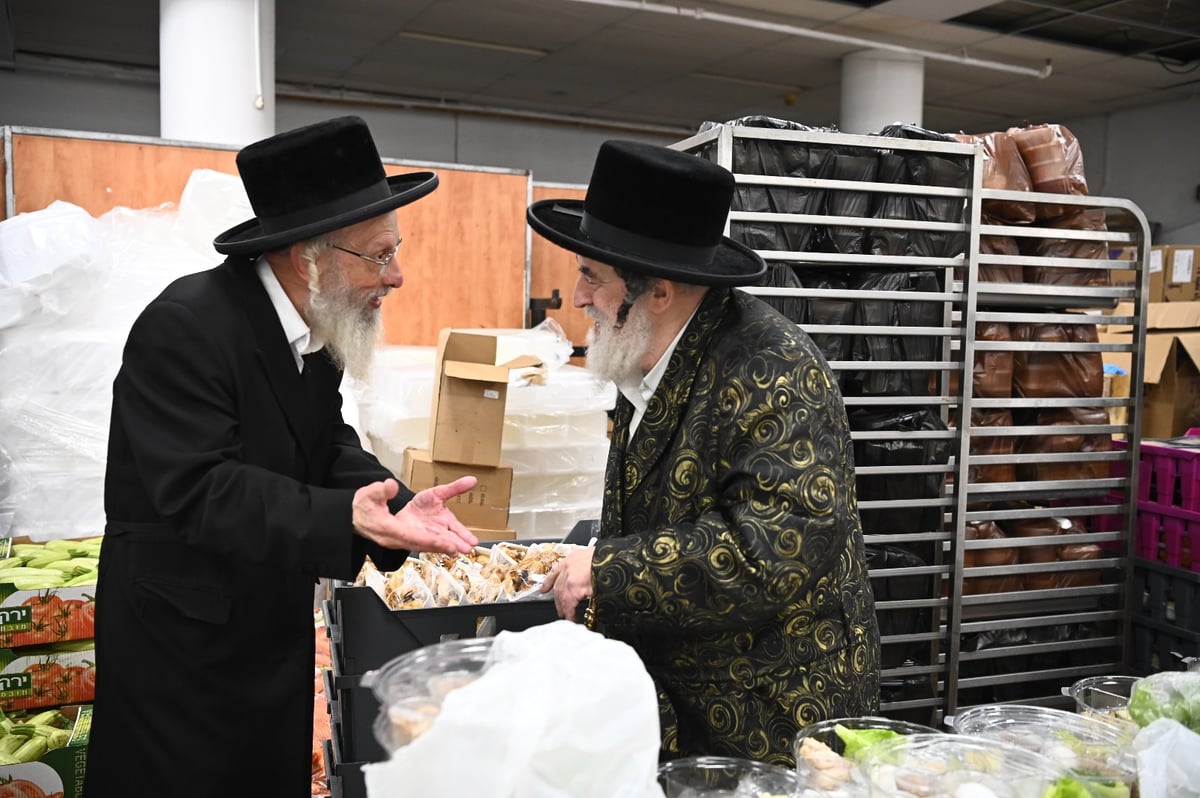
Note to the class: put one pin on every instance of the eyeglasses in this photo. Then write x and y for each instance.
(382, 263)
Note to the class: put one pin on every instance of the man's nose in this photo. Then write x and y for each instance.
(393, 276)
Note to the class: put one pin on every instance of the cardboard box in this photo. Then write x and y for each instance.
(46, 614)
(469, 394)
(1128, 277)
(485, 506)
(36, 677)
(493, 534)
(60, 772)
(1171, 380)
(1180, 266)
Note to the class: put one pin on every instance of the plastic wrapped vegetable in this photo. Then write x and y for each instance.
(1169, 694)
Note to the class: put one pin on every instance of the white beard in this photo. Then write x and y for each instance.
(616, 353)
(344, 319)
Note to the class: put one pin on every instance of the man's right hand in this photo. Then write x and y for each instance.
(424, 524)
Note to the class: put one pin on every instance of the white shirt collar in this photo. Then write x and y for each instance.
(300, 337)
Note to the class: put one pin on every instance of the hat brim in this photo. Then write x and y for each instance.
(733, 264)
(248, 238)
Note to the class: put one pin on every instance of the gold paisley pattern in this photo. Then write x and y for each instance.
(730, 553)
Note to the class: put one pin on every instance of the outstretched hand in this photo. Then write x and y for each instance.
(424, 524)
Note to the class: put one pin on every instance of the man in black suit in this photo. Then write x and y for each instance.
(233, 483)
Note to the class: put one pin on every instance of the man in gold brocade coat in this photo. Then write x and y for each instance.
(730, 552)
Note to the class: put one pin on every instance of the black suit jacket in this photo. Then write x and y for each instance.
(228, 491)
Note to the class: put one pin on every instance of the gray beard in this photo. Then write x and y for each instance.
(348, 326)
(616, 353)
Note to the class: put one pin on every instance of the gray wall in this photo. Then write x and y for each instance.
(554, 152)
(1147, 155)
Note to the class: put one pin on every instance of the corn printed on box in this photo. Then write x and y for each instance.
(47, 591)
(45, 755)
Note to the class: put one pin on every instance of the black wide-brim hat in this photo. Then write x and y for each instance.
(312, 180)
(653, 211)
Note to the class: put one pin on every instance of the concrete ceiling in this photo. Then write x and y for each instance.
(673, 66)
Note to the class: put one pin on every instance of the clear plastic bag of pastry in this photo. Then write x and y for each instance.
(404, 589)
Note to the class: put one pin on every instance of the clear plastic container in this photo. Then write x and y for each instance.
(1104, 696)
(1096, 753)
(728, 777)
(954, 765)
(411, 687)
(827, 766)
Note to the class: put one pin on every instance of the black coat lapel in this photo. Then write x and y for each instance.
(274, 352)
(660, 425)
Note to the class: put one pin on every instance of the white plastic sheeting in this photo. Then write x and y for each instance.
(70, 288)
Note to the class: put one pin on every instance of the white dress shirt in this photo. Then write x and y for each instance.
(300, 337)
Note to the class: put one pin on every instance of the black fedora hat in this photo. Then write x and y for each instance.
(653, 211)
(314, 179)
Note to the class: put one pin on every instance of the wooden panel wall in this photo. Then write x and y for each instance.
(463, 257)
(99, 175)
(551, 267)
(464, 253)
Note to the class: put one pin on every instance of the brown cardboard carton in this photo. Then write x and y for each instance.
(1171, 379)
(1154, 265)
(493, 534)
(1179, 266)
(484, 506)
(1129, 277)
(469, 394)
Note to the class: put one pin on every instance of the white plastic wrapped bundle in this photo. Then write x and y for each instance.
(50, 261)
(525, 729)
(70, 288)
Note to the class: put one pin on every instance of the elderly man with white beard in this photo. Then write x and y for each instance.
(233, 482)
(730, 552)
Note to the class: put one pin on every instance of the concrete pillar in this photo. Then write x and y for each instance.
(216, 70)
(881, 87)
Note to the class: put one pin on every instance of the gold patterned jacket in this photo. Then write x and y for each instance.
(731, 553)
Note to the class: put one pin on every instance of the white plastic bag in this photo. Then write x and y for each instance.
(561, 712)
(1168, 755)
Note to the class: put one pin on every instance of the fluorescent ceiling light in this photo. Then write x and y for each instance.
(479, 45)
(766, 84)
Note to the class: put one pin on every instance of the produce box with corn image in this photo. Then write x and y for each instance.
(44, 754)
(47, 591)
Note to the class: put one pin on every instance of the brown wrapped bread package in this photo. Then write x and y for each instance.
(996, 272)
(1057, 374)
(992, 372)
(1049, 527)
(1076, 440)
(1051, 154)
(1089, 219)
(1004, 170)
(988, 530)
(987, 445)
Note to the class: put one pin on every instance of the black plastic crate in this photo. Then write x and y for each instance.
(1159, 646)
(345, 779)
(367, 634)
(1168, 595)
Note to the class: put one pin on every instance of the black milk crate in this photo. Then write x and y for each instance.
(357, 710)
(353, 709)
(1159, 646)
(369, 635)
(1166, 594)
(345, 779)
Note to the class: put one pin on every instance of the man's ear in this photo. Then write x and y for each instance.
(661, 295)
(296, 261)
